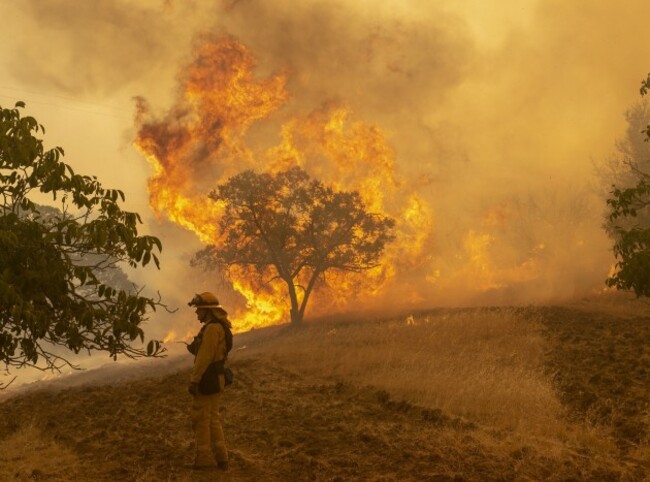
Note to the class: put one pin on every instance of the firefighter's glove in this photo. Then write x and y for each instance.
(193, 389)
(192, 347)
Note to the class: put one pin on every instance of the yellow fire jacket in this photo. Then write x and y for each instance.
(212, 348)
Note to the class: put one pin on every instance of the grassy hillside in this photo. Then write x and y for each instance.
(475, 394)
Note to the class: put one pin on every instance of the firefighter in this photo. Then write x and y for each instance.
(208, 346)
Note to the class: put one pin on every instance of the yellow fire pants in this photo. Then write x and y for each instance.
(206, 422)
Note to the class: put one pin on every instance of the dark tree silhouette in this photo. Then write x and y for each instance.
(287, 227)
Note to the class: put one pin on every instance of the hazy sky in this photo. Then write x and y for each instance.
(497, 112)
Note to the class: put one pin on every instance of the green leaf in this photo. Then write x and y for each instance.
(55, 287)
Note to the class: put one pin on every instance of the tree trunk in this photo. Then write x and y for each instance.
(296, 314)
(305, 297)
(296, 317)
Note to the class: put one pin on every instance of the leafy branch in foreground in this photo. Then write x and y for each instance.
(52, 297)
(629, 212)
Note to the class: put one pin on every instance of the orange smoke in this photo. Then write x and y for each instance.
(220, 126)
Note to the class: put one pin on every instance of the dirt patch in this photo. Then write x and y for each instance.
(601, 367)
(281, 426)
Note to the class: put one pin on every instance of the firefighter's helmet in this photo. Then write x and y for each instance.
(205, 300)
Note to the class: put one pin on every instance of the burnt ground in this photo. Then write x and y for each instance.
(601, 367)
(282, 426)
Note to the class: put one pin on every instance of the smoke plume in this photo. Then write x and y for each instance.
(490, 120)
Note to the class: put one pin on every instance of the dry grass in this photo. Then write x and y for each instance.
(29, 455)
(486, 365)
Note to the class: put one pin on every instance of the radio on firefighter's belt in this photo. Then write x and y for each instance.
(209, 384)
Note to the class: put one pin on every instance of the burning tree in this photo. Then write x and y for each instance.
(52, 293)
(224, 121)
(287, 227)
(628, 222)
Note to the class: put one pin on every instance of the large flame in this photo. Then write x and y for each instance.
(227, 119)
(206, 137)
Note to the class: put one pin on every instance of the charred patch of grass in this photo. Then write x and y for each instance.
(601, 367)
